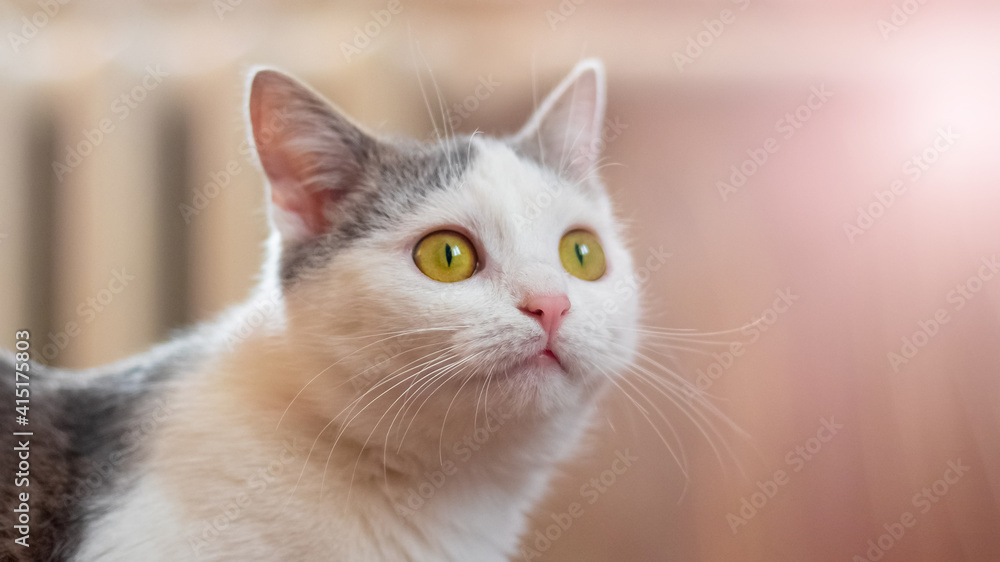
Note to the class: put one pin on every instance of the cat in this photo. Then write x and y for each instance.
(434, 325)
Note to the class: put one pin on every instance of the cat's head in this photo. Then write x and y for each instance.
(414, 272)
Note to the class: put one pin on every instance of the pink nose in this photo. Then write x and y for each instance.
(548, 310)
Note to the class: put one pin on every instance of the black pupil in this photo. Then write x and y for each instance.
(579, 253)
(447, 253)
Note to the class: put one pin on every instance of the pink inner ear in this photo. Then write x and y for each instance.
(307, 205)
(286, 169)
(308, 151)
(289, 193)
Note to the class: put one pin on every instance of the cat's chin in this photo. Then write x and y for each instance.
(547, 375)
(545, 384)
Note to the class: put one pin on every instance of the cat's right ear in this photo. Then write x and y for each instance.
(312, 154)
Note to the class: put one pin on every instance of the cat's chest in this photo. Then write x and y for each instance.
(264, 517)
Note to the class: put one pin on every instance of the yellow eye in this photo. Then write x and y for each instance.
(445, 256)
(582, 255)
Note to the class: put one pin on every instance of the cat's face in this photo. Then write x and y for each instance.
(471, 274)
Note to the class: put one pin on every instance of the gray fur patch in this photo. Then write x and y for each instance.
(89, 429)
(396, 177)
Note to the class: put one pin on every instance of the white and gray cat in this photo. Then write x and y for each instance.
(433, 327)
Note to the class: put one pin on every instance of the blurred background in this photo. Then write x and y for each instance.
(828, 170)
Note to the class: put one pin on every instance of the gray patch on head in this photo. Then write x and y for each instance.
(396, 177)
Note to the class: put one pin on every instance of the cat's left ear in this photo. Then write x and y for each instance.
(565, 131)
(312, 154)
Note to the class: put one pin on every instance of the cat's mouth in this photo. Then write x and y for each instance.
(546, 358)
(551, 354)
(543, 361)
